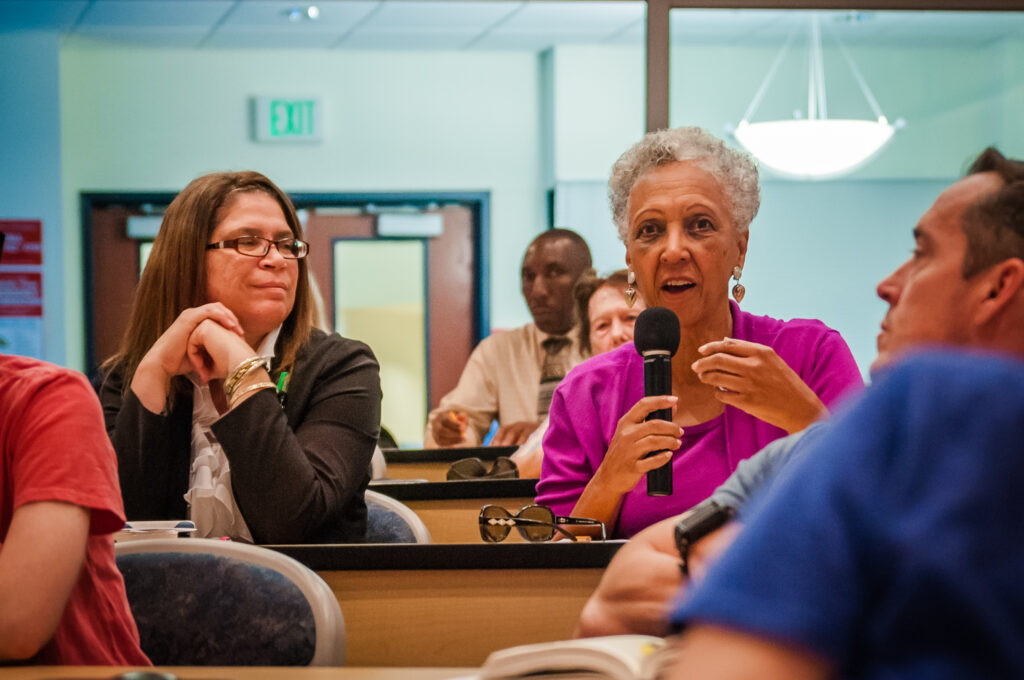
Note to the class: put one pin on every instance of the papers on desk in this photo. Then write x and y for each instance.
(615, 657)
(388, 480)
(171, 528)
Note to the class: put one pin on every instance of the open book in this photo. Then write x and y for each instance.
(616, 657)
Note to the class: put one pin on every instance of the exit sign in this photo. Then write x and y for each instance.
(287, 119)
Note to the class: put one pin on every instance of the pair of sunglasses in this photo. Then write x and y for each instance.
(535, 523)
(503, 467)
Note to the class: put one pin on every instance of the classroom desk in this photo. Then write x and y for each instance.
(238, 673)
(432, 464)
(452, 605)
(450, 509)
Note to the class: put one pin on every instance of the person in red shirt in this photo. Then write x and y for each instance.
(62, 599)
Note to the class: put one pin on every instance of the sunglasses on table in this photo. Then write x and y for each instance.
(503, 467)
(535, 523)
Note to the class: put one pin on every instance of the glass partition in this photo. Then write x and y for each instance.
(950, 83)
(390, 317)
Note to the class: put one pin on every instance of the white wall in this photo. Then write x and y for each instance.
(153, 119)
(599, 108)
(30, 162)
(1012, 137)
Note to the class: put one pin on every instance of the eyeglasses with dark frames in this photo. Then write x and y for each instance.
(257, 246)
(535, 523)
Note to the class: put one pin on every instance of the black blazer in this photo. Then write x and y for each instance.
(298, 473)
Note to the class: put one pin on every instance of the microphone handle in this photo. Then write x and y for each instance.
(657, 382)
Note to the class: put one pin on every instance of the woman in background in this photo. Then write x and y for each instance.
(682, 202)
(225, 404)
(606, 321)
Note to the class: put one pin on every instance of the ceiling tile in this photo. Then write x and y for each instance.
(155, 12)
(601, 18)
(39, 14)
(270, 13)
(479, 24)
(409, 39)
(446, 14)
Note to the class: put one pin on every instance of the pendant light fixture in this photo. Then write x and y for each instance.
(815, 147)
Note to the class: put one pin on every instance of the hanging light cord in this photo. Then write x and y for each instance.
(756, 102)
(816, 103)
(865, 90)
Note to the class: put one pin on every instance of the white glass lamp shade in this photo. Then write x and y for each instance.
(814, 149)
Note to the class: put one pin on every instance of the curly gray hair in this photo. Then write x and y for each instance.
(734, 170)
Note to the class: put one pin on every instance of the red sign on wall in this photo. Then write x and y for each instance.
(21, 288)
(21, 293)
(24, 244)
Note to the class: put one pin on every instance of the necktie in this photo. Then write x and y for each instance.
(552, 371)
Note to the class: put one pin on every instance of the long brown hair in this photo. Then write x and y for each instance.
(175, 275)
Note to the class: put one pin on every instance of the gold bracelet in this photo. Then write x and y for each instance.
(236, 398)
(243, 369)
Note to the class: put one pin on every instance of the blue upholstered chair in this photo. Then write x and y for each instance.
(203, 602)
(391, 521)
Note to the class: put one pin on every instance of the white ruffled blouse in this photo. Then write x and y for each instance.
(210, 499)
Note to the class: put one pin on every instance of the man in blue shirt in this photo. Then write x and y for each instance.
(957, 289)
(893, 550)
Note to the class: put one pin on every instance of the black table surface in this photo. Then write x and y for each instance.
(446, 455)
(414, 490)
(557, 555)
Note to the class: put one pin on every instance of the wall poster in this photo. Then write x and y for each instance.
(21, 288)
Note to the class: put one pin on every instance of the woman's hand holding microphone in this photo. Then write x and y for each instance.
(634, 438)
(626, 461)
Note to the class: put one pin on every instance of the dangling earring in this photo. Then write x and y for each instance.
(631, 289)
(738, 291)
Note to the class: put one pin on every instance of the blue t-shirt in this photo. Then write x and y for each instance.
(894, 549)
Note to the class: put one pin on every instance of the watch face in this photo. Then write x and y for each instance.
(701, 520)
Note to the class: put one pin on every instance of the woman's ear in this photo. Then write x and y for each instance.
(742, 244)
(998, 287)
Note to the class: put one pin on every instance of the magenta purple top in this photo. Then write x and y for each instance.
(590, 400)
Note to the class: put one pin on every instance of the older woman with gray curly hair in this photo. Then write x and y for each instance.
(683, 202)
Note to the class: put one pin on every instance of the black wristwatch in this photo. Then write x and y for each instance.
(695, 524)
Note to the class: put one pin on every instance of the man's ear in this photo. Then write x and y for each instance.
(999, 287)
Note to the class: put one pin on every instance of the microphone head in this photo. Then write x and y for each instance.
(656, 329)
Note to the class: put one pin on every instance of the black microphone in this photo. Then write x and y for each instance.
(656, 336)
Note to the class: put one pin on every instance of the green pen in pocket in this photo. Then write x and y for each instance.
(282, 387)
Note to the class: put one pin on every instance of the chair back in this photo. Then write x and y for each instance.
(391, 521)
(378, 465)
(204, 602)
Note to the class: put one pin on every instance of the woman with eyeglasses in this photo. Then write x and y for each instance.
(224, 403)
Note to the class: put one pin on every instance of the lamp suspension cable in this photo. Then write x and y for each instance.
(814, 146)
(756, 101)
(863, 84)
